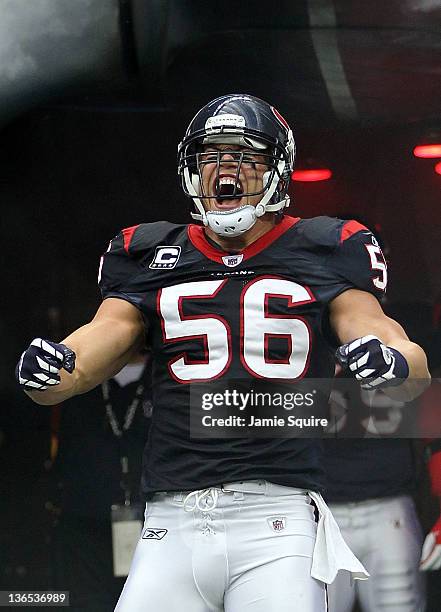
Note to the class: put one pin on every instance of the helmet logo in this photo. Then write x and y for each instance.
(279, 117)
(227, 120)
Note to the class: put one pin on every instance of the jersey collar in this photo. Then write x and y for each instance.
(198, 239)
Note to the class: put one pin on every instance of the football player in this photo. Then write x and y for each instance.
(371, 477)
(245, 294)
(431, 402)
(431, 553)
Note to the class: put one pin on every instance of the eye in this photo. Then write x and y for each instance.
(209, 157)
(248, 158)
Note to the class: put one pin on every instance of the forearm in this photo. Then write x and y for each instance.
(54, 395)
(355, 314)
(102, 348)
(89, 370)
(392, 335)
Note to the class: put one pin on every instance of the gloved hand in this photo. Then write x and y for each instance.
(372, 363)
(431, 553)
(40, 364)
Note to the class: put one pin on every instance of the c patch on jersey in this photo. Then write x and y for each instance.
(166, 257)
(151, 533)
(232, 260)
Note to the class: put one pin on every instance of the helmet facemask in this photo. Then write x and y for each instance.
(276, 154)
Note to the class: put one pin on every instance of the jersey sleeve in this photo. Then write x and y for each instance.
(119, 269)
(358, 261)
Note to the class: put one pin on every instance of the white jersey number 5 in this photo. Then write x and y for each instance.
(258, 327)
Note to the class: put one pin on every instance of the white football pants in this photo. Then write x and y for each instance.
(232, 551)
(386, 536)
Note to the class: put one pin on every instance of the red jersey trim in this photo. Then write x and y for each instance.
(350, 228)
(128, 235)
(198, 239)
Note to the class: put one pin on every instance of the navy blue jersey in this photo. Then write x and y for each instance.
(377, 460)
(212, 315)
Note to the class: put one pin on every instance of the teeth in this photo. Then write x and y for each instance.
(228, 188)
(227, 180)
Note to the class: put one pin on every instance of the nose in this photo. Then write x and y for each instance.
(229, 156)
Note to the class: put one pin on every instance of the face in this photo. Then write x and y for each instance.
(230, 180)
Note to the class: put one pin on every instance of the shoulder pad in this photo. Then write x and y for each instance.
(139, 239)
(122, 262)
(321, 231)
(358, 258)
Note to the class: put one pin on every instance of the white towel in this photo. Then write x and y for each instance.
(331, 553)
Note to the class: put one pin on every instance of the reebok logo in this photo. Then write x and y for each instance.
(152, 533)
(387, 354)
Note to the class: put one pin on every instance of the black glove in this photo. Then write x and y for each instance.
(373, 363)
(40, 364)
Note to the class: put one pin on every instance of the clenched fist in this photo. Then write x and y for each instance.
(372, 363)
(40, 364)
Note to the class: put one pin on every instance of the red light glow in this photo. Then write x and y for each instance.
(438, 168)
(427, 151)
(311, 175)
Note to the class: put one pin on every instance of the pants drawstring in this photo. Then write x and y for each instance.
(195, 499)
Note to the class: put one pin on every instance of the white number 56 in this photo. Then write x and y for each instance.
(258, 327)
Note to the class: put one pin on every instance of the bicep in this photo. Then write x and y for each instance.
(105, 345)
(356, 313)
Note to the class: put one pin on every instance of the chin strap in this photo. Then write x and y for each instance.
(232, 222)
(235, 222)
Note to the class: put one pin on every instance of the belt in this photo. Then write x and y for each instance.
(206, 499)
(261, 487)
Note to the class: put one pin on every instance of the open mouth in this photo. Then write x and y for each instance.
(228, 190)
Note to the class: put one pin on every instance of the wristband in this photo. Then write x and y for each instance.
(401, 369)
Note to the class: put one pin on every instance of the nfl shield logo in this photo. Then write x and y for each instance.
(277, 523)
(232, 260)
